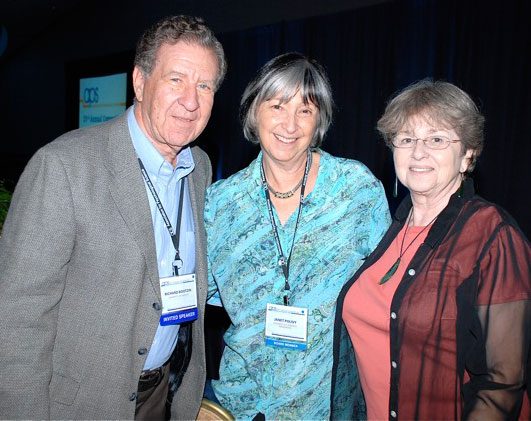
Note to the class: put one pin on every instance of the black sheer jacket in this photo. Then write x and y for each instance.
(460, 320)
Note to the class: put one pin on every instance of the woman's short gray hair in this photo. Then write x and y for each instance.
(288, 74)
(171, 30)
(442, 103)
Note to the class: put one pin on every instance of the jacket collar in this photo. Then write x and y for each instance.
(445, 218)
(129, 193)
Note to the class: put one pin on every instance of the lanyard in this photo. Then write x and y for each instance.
(282, 261)
(175, 236)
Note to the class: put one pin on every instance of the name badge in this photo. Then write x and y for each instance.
(286, 326)
(179, 299)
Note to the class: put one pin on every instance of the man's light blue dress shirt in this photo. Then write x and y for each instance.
(166, 181)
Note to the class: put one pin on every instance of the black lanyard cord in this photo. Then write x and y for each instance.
(282, 260)
(175, 236)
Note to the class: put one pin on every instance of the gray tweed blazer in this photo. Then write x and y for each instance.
(78, 280)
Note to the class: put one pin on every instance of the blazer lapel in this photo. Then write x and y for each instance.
(197, 199)
(129, 195)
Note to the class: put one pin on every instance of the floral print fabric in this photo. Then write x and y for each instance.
(342, 221)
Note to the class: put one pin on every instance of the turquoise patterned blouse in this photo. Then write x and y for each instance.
(342, 221)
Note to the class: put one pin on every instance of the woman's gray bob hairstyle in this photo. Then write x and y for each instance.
(442, 103)
(288, 74)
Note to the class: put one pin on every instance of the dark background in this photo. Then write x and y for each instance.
(369, 48)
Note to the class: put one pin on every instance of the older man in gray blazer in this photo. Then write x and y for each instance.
(91, 240)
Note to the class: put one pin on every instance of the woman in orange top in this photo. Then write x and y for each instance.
(439, 315)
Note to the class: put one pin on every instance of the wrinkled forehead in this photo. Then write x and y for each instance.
(197, 55)
(426, 117)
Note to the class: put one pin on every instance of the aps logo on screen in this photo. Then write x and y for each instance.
(91, 96)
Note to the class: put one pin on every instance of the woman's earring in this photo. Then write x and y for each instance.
(460, 191)
(395, 189)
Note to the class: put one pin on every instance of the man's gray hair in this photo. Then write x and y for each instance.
(288, 74)
(171, 30)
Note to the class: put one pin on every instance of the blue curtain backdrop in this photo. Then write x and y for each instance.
(370, 53)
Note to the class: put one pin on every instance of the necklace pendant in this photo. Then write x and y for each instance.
(283, 195)
(390, 272)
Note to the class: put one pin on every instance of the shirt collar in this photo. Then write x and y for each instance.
(151, 157)
(256, 181)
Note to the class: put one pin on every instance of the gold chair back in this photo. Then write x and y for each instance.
(210, 411)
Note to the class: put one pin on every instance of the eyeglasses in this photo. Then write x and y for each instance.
(432, 142)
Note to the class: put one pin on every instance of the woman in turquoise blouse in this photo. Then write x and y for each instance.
(284, 235)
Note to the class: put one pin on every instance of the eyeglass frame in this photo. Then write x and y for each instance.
(416, 139)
